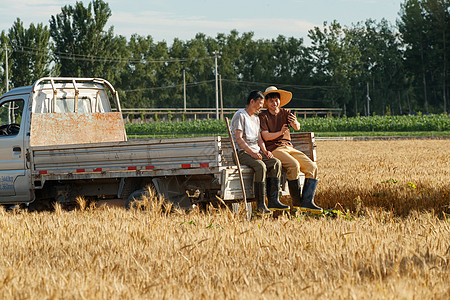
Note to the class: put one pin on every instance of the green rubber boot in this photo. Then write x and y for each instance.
(260, 196)
(273, 193)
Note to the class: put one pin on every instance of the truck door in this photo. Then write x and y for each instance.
(14, 186)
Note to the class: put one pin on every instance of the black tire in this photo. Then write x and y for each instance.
(41, 205)
(135, 198)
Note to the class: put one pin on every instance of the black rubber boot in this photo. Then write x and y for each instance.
(273, 192)
(295, 190)
(309, 189)
(260, 196)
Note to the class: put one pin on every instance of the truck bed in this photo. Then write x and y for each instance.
(150, 158)
(158, 156)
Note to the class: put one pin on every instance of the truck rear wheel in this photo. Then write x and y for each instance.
(136, 198)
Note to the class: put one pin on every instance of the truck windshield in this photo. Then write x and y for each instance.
(10, 117)
(67, 105)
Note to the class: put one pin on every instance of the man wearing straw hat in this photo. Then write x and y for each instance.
(274, 124)
(252, 152)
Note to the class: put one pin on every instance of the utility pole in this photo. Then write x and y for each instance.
(221, 98)
(6, 62)
(368, 99)
(184, 90)
(217, 84)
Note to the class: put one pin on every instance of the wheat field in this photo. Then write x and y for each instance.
(398, 175)
(367, 252)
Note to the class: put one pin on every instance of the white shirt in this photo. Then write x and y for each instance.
(249, 125)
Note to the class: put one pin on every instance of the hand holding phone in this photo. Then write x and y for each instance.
(285, 128)
(292, 118)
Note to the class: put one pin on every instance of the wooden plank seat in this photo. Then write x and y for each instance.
(303, 141)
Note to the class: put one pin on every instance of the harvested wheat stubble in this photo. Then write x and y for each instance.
(400, 176)
(111, 253)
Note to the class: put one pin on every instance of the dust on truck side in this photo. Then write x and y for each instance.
(61, 138)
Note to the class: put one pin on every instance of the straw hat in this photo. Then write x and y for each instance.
(285, 96)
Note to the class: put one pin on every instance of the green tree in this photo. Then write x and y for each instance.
(171, 76)
(381, 64)
(30, 53)
(199, 70)
(438, 16)
(336, 61)
(415, 35)
(238, 57)
(83, 47)
(4, 42)
(140, 73)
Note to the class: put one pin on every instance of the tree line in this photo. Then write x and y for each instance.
(367, 68)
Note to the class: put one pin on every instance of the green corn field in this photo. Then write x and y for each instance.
(410, 123)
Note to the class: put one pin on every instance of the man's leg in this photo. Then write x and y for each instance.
(289, 162)
(256, 164)
(273, 166)
(293, 171)
(259, 167)
(309, 168)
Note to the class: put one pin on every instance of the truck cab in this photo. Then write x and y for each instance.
(14, 185)
(52, 111)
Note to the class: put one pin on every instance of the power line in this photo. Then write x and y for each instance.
(168, 87)
(91, 58)
(81, 57)
(300, 87)
(205, 82)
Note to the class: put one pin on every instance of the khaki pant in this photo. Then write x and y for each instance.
(295, 161)
(267, 167)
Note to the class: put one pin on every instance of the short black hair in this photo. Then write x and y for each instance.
(254, 95)
(273, 95)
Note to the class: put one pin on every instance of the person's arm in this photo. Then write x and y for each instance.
(261, 144)
(244, 146)
(268, 136)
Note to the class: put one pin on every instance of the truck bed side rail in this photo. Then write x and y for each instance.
(135, 155)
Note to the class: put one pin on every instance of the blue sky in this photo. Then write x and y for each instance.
(169, 19)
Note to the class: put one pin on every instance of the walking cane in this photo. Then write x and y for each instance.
(236, 159)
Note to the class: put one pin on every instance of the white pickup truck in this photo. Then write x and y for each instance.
(61, 138)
